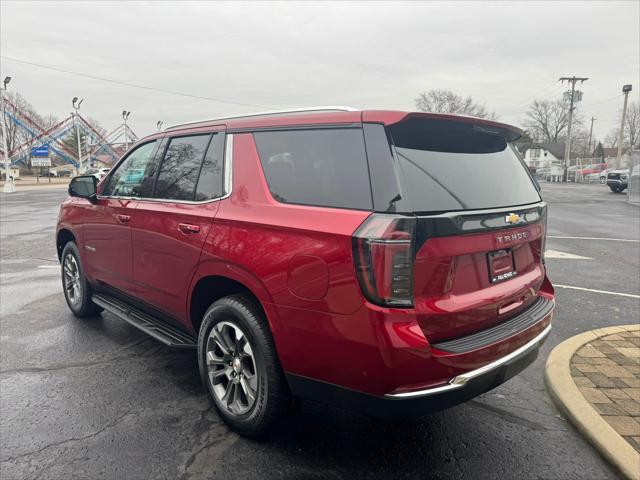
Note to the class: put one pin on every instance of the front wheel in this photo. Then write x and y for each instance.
(239, 365)
(615, 189)
(77, 291)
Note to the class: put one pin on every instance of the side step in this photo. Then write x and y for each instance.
(150, 325)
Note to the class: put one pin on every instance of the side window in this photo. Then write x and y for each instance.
(180, 167)
(127, 179)
(149, 181)
(324, 167)
(210, 183)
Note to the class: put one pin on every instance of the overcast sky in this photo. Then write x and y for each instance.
(367, 55)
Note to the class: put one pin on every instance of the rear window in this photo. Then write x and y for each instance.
(322, 167)
(459, 166)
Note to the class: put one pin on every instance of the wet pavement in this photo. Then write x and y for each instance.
(95, 398)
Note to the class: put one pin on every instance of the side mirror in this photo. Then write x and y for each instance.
(84, 186)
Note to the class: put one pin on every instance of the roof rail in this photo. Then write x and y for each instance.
(272, 112)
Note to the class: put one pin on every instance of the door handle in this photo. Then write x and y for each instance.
(123, 218)
(188, 228)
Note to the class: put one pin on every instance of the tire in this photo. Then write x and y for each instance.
(76, 288)
(603, 180)
(615, 189)
(234, 323)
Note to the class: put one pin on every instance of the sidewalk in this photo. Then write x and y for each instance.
(30, 183)
(594, 378)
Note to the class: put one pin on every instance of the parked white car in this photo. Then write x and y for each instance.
(603, 176)
(99, 173)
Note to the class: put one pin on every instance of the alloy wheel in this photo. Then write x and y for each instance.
(231, 368)
(71, 280)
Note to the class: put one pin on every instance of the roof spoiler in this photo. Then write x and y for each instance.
(482, 125)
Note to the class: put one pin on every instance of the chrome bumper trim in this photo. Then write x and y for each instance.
(461, 380)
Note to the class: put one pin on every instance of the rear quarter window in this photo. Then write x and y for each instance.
(180, 167)
(320, 167)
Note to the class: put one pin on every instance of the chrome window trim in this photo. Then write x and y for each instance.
(462, 379)
(228, 165)
(227, 185)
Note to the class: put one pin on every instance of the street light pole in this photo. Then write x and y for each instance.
(9, 186)
(125, 116)
(77, 119)
(625, 89)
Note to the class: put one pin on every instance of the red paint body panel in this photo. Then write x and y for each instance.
(298, 262)
(452, 292)
(166, 256)
(107, 242)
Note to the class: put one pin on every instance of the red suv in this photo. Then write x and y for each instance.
(387, 261)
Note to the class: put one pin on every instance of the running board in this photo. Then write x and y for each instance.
(150, 325)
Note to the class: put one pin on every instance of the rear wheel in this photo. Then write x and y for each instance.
(615, 189)
(77, 291)
(239, 365)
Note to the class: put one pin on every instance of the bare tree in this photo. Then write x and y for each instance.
(49, 121)
(631, 136)
(547, 120)
(611, 139)
(16, 106)
(580, 141)
(97, 126)
(632, 126)
(445, 101)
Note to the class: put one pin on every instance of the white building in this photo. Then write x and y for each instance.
(546, 160)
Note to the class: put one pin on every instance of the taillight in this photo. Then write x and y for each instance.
(383, 251)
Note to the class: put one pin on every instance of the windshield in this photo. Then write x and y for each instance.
(458, 167)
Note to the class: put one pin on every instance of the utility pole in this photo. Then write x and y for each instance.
(125, 116)
(77, 119)
(573, 97)
(591, 135)
(625, 89)
(9, 186)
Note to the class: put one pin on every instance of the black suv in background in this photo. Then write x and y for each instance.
(618, 180)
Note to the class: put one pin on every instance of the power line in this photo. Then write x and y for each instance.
(134, 85)
(550, 93)
(603, 101)
(582, 107)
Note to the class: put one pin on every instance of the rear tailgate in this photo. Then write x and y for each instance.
(473, 270)
(480, 222)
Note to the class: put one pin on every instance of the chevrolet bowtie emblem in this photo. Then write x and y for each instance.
(512, 218)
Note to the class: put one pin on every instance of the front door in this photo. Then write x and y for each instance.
(169, 230)
(107, 230)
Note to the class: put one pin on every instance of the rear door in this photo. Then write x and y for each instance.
(169, 229)
(480, 222)
(107, 230)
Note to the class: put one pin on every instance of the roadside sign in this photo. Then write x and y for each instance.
(40, 161)
(42, 151)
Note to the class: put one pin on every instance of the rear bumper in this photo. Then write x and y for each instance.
(459, 389)
(614, 182)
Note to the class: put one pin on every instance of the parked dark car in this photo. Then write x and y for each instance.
(618, 180)
(387, 261)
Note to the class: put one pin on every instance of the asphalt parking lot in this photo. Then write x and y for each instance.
(97, 399)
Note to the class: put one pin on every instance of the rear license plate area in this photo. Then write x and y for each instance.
(501, 265)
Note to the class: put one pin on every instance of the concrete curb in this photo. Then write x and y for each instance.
(581, 414)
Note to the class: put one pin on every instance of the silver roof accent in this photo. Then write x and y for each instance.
(268, 113)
